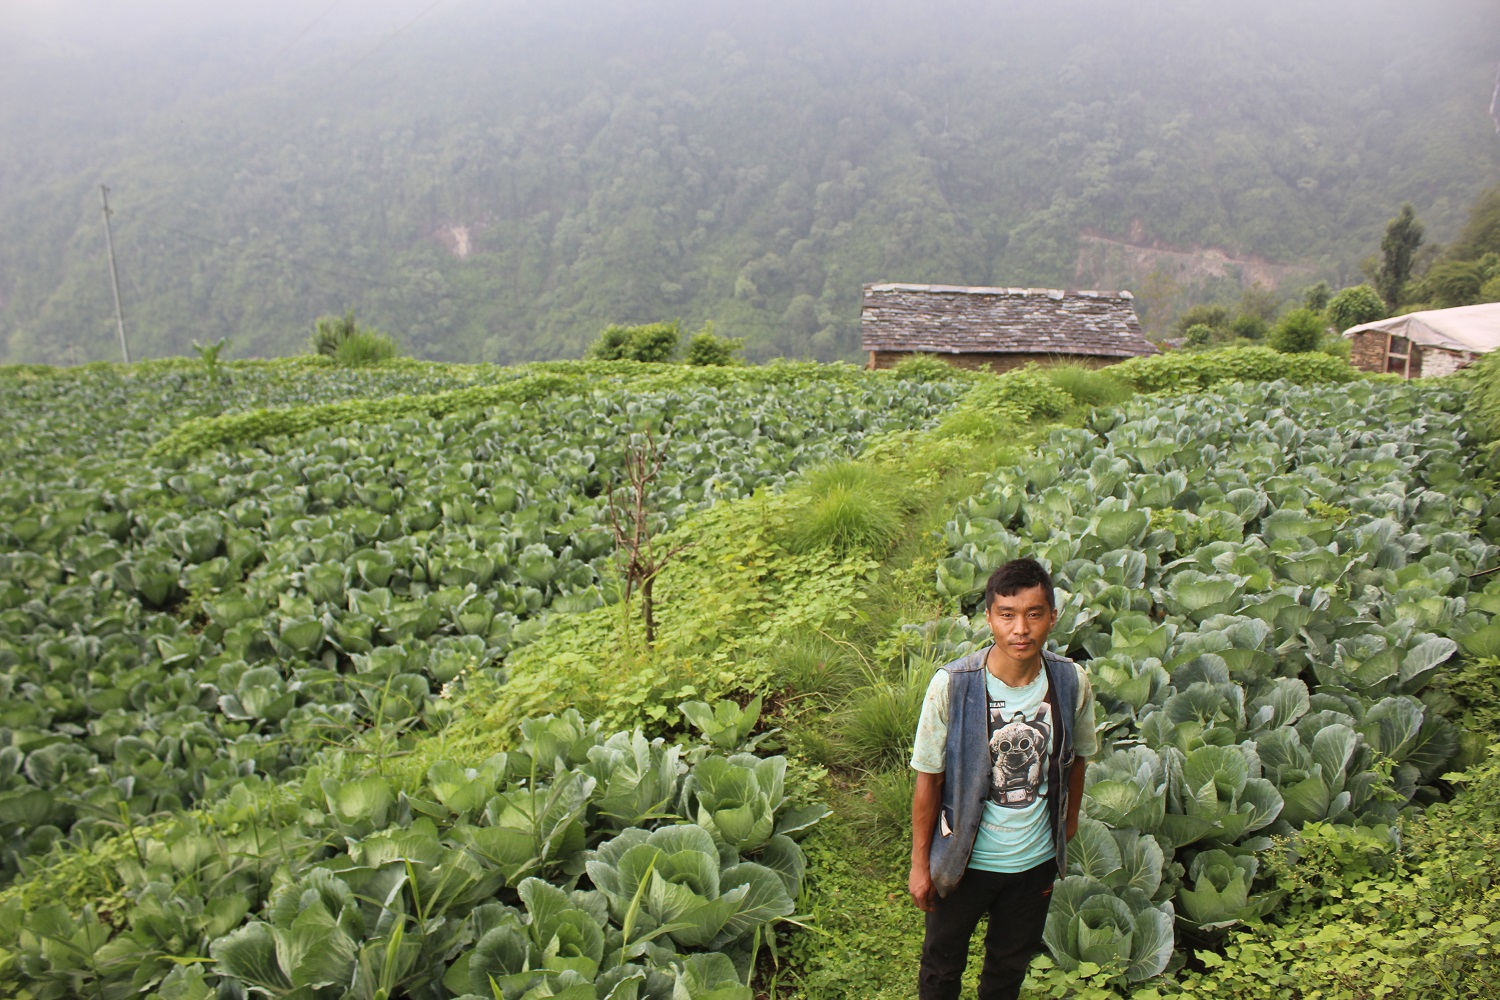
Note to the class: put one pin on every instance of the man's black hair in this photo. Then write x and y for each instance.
(1016, 576)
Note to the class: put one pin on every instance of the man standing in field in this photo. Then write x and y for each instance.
(1000, 754)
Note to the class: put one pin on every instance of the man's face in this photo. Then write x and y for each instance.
(1020, 623)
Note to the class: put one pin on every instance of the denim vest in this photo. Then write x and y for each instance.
(966, 782)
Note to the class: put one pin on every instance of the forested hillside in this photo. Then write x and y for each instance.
(489, 182)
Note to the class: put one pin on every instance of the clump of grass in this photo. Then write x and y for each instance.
(816, 666)
(347, 343)
(364, 347)
(1089, 386)
(876, 729)
(850, 507)
(882, 813)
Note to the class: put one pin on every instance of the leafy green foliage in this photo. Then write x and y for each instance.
(1125, 935)
(512, 218)
(1482, 403)
(335, 586)
(1355, 305)
(1220, 896)
(1398, 250)
(1261, 604)
(1316, 297)
(1298, 332)
(353, 881)
(652, 342)
(1292, 608)
(1374, 914)
(704, 348)
(346, 342)
(926, 367)
(725, 726)
(1248, 326)
(1182, 372)
(1212, 315)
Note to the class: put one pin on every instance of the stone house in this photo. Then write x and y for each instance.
(1428, 343)
(1001, 327)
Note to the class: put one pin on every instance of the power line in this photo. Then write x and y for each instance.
(114, 274)
(310, 25)
(382, 43)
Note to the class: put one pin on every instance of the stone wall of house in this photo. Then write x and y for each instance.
(1367, 350)
(1431, 362)
(997, 362)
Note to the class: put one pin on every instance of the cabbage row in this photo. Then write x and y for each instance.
(1263, 584)
(165, 632)
(464, 886)
(65, 424)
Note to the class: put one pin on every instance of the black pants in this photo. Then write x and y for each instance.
(1017, 908)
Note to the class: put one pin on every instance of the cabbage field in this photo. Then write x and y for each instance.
(172, 629)
(257, 623)
(1263, 584)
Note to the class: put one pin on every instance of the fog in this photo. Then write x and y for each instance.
(516, 173)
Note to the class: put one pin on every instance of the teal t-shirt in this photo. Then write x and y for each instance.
(1014, 835)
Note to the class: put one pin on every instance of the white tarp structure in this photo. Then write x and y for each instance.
(1474, 329)
(1447, 339)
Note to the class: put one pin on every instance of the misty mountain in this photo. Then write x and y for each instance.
(498, 182)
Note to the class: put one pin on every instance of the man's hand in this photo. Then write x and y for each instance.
(1075, 796)
(919, 884)
(926, 803)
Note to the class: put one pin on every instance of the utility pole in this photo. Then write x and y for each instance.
(114, 275)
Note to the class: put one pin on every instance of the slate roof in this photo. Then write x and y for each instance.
(952, 319)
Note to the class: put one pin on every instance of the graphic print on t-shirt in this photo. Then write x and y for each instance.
(1018, 754)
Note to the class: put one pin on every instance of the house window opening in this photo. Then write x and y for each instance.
(1398, 356)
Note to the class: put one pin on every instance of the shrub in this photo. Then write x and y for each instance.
(1353, 306)
(1490, 290)
(1482, 406)
(650, 342)
(1215, 317)
(706, 349)
(612, 345)
(1299, 331)
(365, 347)
(1250, 326)
(926, 368)
(1179, 371)
(1336, 347)
(1452, 283)
(1027, 390)
(1197, 335)
(347, 343)
(1315, 297)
